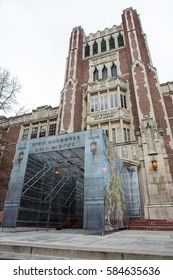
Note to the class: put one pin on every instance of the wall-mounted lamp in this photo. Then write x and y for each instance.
(20, 157)
(154, 164)
(93, 147)
(57, 172)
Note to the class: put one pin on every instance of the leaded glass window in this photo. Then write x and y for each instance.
(87, 50)
(103, 45)
(95, 48)
(25, 134)
(52, 129)
(95, 75)
(123, 101)
(104, 73)
(126, 134)
(42, 132)
(114, 100)
(103, 102)
(94, 104)
(34, 132)
(113, 70)
(111, 43)
(120, 40)
(116, 135)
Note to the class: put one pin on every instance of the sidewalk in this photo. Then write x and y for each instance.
(80, 244)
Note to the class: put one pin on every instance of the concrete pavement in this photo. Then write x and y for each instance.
(81, 244)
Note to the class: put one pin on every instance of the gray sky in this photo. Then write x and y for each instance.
(35, 38)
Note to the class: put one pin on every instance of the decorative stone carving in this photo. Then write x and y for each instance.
(112, 57)
(124, 152)
(102, 116)
(149, 133)
(127, 114)
(134, 152)
(102, 84)
(102, 33)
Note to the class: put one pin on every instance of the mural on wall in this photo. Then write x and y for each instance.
(122, 197)
(115, 207)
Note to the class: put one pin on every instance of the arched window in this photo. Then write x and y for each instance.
(95, 75)
(113, 70)
(103, 45)
(111, 43)
(95, 48)
(104, 72)
(87, 50)
(120, 40)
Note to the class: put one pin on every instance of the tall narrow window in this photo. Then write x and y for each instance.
(103, 45)
(104, 72)
(103, 102)
(116, 135)
(25, 134)
(111, 43)
(95, 75)
(113, 135)
(52, 129)
(114, 100)
(126, 134)
(123, 101)
(42, 132)
(94, 104)
(34, 132)
(95, 48)
(113, 70)
(106, 132)
(87, 50)
(120, 40)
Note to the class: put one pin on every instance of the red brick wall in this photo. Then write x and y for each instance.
(68, 106)
(144, 102)
(125, 67)
(78, 70)
(82, 75)
(151, 77)
(160, 115)
(7, 162)
(169, 105)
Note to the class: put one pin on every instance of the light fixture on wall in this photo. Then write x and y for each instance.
(93, 147)
(20, 157)
(57, 172)
(154, 164)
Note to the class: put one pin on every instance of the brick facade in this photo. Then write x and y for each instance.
(6, 162)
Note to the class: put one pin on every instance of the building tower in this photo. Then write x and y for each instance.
(110, 82)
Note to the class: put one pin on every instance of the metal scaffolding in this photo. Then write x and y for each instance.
(52, 194)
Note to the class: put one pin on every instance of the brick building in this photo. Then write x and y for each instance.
(110, 83)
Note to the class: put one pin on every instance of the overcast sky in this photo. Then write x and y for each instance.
(35, 39)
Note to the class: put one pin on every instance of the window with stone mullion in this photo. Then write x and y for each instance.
(94, 104)
(111, 43)
(104, 72)
(103, 102)
(114, 100)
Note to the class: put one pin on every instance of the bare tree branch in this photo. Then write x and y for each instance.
(21, 111)
(9, 87)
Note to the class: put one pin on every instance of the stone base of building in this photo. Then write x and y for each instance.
(159, 211)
